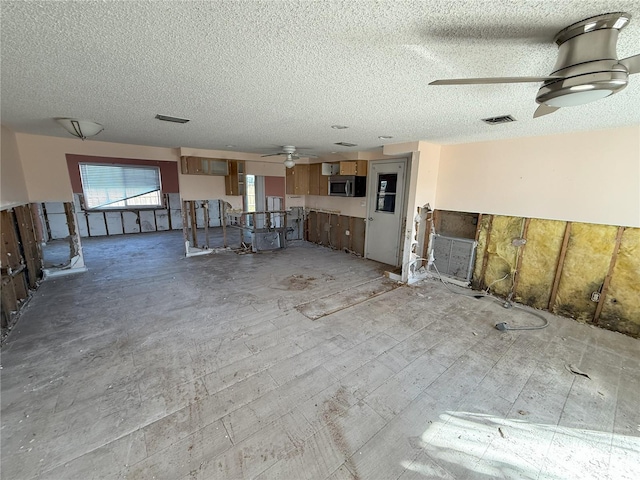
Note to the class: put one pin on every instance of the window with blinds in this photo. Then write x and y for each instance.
(120, 186)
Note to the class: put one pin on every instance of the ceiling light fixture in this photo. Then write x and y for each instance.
(289, 163)
(339, 127)
(80, 128)
(578, 98)
(230, 146)
(346, 144)
(384, 137)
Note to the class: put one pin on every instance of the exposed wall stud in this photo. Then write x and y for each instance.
(559, 266)
(485, 256)
(516, 274)
(223, 220)
(607, 279)
(185, 224)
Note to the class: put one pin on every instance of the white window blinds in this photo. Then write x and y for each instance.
(120, 186)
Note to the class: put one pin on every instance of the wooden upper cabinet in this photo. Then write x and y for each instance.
(318, 183)
(306, 180)
(290, 183)
(203, 166)
(315, 170)
(234, 183)
(301, 179)
(354, 167)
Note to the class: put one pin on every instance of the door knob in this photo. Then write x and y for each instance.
(370, 219)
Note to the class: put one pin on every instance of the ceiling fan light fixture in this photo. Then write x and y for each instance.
(80, 128)
(578, 98)
(581, 88)
(289, 163)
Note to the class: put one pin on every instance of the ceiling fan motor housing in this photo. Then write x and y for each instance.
(587, 61)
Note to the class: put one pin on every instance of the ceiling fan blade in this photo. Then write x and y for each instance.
(273, 154)
(480, 81)
(632, 64)
(544, 110)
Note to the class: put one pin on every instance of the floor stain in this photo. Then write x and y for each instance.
(332, 409)
(297, 282)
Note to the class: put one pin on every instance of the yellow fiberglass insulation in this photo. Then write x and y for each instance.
(482, 242)
(621, 311)
(585, 268)
(539, 260)
(502, 254)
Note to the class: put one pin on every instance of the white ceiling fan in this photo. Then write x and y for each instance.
(586, 70)
(291, 154)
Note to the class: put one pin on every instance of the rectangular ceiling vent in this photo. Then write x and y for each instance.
(346, 144)
(498, 120)
(167, 118)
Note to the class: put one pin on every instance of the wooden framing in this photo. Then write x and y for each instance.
(205, 205)
(30, 246)
(478, 227)
(185, 222)
(516, 275)
(607, 279)
(560, 266)
(20, 258)
(485, 256)
(194, 223)
(223, 221)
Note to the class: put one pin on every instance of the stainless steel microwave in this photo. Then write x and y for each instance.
(347, 186)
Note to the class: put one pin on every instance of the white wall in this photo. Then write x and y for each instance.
(591, 177)
(13, 189)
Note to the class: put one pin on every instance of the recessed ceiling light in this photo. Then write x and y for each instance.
(339, 127)
(167, 118)
(346, 144)
(384, 137)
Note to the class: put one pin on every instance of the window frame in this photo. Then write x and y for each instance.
(159, 206)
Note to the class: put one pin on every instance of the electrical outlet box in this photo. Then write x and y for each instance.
(595, 297)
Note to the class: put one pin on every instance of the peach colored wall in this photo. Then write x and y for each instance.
(13, 189)
(47, 178)
(45, 165)
(353, 207)
(591, 177)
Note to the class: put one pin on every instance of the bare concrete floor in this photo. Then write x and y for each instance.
(151, 365)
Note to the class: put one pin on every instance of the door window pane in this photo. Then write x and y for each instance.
(386, 192)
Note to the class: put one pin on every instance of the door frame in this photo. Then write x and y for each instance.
(404, 202)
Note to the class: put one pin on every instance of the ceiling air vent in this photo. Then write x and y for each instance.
(346, 144)
(498, 120)
(167, 118)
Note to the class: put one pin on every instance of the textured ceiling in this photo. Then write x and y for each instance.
(257, 74)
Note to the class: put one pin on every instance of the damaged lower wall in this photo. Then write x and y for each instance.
(116, 222)
(20, 260)
(584, 271)
(339, 232)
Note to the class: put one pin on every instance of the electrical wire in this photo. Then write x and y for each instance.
(502, 326)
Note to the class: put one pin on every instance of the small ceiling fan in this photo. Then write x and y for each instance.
(291, 154)
(586, 70)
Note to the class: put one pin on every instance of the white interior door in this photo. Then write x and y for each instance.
(385, 195)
